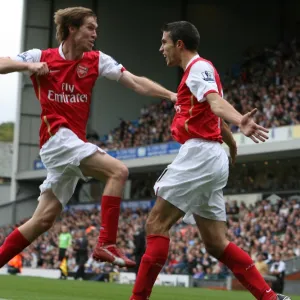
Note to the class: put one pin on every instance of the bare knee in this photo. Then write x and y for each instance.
(213, 234)
(120, 173)
(46, 222)
(43, 222)
(46, 213)
(162, 217)
(216, 246)
(157, 225)
(157, 228)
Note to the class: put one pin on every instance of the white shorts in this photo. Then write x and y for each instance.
(194, 181)
(61, 155)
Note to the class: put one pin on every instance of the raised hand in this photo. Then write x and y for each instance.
(252, 130)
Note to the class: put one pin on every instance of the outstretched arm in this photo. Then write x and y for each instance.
(226, 111)
(147, 87)
(204, 82)
(26, 61)
(8, 65)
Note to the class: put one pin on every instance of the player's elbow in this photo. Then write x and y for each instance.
(139, 86)
(139, 89)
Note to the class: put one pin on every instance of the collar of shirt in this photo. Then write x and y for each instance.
(193, 58)
(60, 51)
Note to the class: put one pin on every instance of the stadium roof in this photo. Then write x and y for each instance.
(6, 154)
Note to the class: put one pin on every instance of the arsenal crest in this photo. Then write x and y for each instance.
(82, 71)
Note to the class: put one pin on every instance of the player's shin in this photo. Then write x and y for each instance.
(12, 246)
(110, 206)
(242, 266)
(152, 262)
(110, 211)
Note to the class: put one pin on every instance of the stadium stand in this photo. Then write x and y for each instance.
(6, 150)
(267, 79)
(265, 228)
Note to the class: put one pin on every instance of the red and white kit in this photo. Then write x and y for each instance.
(194, 181)
(65, 99)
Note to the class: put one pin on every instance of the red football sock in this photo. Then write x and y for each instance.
(12, 246)
(152, 262)
(242, 266)
(110, 211)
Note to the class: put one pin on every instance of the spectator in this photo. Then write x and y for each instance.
(198, 272)
(81, 249)
(65, 241)
(71, 262)
(261, 265)
(139, 245)
(278, 269)
(259, 229)
(14, 266)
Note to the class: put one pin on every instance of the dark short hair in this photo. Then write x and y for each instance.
(184, 31)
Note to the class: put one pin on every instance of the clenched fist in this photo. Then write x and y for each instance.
(39, 68)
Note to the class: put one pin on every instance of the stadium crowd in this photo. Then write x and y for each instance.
(270, 176)
(266, 79)
(261, 229)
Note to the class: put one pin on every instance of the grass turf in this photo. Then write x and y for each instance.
(31, 288)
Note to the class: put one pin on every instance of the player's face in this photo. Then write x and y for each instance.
(85, 36)
(169, 50)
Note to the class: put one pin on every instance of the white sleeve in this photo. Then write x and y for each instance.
(109, 68)
(33, 55)
(201, 80)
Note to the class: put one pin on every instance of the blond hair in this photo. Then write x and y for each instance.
(71, 16)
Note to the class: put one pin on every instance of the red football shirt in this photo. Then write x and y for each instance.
(65, 93)
(194, 117)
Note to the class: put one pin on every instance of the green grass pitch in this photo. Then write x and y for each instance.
(30, 288)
